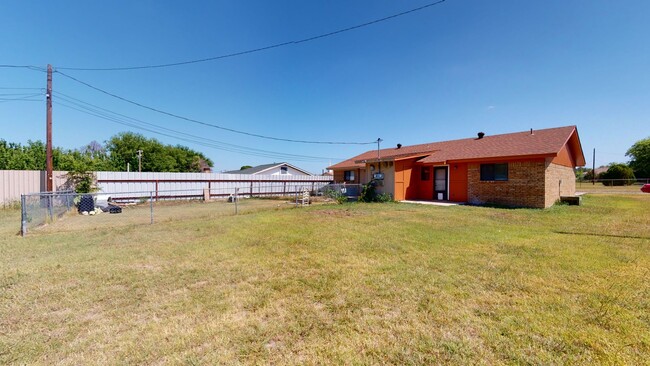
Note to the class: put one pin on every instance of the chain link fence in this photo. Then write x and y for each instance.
(75, 211)
(615, 186)
(342, 192)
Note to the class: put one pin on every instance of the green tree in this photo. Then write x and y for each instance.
(156, 157)
(245, 167)
(640, 158)
(620, 174)
(119, 150)
(14, 156)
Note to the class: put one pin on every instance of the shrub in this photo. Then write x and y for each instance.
(82, 181)
(342, 199)
(336, 195)
(384, 197)
(368, 192)
(618, 175)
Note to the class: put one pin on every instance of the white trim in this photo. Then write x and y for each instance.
(287, 164)
(433, 174)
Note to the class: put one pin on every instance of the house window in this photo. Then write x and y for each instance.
(425, 173)
(284, 170)
(494, 172)
(348, 175)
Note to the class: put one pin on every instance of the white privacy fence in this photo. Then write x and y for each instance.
(14, 183)
(181, 185)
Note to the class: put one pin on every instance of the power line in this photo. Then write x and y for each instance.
(16, 66)
(24, 97)
(2, 100)
(17, 94)
(109, 115)
(30, 67)
(260, 49)
(194, 141)
(209, 124)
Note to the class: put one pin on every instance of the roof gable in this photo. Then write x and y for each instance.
(260, 169)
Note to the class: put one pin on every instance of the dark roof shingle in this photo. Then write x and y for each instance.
(540, 142)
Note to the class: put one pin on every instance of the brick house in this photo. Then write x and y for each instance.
(522, 169)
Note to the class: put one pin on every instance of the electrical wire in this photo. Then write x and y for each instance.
(194, 141)
(260, 49)
(30, 67)
(205, 123)
(22, 97)
(241, 148)
(91, 109)
(19, 100)
(17, 94)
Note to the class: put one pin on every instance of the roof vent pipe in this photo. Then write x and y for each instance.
(480, 135)
(399, 146)
(531, 131)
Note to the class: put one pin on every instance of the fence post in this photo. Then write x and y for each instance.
(67, 202)
(49, 206)
(23, 216)
(251, 189)
(236, 200)
(151, 205)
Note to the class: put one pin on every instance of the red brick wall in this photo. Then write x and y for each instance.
(535, 183)
(560, 181)
(525, 186)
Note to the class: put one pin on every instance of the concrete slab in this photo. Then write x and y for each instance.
(434, 203)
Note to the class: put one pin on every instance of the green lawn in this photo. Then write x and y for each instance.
(351, 284)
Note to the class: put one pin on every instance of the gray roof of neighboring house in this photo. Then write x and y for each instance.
(261, 168)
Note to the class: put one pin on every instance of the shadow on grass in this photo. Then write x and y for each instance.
(603, 235)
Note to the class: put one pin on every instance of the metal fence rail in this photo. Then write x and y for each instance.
(614, 182)
(349, 190)
(38, 209)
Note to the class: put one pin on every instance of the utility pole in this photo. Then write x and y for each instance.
(378, 155)
(139, 161)
(593, 169)
(48, 128)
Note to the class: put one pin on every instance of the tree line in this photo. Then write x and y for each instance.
(113, 155)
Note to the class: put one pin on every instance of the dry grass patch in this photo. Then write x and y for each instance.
(352, 284)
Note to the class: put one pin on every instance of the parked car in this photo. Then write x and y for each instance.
(645, 188)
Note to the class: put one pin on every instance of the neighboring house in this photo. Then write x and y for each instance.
(522, 169)
(204, 166)
(272, 169)
(600, 170)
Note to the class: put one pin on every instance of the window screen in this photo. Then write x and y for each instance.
(348, 175)
(425, 173)
(494, 172)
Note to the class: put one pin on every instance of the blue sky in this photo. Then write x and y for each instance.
(445, 72)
